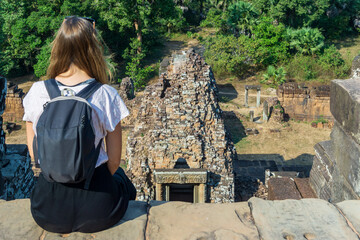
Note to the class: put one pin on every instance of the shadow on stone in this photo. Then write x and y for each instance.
(250, 170)
(234, 126)
(227, 92)
(301, 164)
(181, 163)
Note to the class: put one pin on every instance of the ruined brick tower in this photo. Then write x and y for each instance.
(179, 147)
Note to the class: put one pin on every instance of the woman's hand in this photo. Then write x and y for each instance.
(113, 143)
(30, 138)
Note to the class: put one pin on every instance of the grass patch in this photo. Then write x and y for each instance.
(243, 143)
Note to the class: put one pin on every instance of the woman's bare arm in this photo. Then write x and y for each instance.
(113, 148)
(30, 137)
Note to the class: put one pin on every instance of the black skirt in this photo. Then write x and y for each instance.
(65, 208)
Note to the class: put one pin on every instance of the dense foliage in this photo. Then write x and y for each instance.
(28, 27)
(251, 34)
(286, 37)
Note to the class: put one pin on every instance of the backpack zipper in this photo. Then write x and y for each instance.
(67, 98)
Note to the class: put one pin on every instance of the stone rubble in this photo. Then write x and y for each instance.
(273, 110)
(180, 117)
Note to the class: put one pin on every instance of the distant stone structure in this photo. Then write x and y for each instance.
(335, 174)
(305, 104)
(258, 92)
(272, 110)
(16, 177)
(179, 146)
(14, 111)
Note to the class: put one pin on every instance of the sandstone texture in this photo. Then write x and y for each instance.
(299, 219)
(305, 104)
(351, 211)
(335, 174)
(180, 120)
(253, 220)
(14, 110)
(200, 221)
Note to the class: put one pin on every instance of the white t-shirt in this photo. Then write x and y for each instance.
(108, 109)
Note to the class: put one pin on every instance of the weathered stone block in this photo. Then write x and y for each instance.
(351, 210)
(345, 105)
(282, 188)
(347, 156)
(303, 185)
(325, 176)
(178, 220)
(299, 219)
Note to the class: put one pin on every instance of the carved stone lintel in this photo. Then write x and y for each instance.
(180, 177)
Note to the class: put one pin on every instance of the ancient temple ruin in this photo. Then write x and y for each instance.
(16, 177)
(14, 110)
(179, 148)
(305, 103)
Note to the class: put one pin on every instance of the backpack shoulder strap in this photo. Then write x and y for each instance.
(89, 90)
(52, 88)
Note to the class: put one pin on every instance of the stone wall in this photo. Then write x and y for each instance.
(335, 173)
(180, 122)
(14, 111)
(305, 104)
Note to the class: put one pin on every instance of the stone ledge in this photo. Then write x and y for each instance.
(267, 220)
(345, 105)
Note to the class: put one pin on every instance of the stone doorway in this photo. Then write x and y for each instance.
(187, 185)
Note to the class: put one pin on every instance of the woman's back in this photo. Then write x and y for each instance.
(76, 60)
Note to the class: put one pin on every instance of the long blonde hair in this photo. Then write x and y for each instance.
(76, 42)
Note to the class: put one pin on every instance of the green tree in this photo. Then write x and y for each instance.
(270, 38)
(28, 27)
(134, 68)
(292, 13)
(307, 41)
(242, 16)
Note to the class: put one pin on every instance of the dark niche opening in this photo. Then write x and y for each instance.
(181, 192)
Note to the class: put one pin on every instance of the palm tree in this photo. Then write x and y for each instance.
(242, 16)
(307, 41)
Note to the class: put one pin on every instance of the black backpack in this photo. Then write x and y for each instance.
(65, 140)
